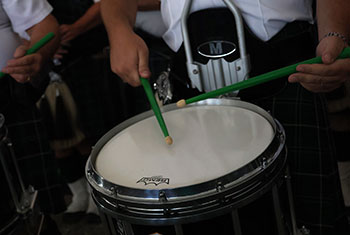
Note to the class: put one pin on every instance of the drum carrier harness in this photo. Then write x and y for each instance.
(219, 60)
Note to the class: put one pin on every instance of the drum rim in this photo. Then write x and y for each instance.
(181, 213)
(158, 196)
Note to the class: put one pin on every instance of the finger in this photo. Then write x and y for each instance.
(20, 51)
(130, 76)
(318, 69)
(128, 72)
(62, 34)
(21, 78)
(65, 36)
(143, 68)
(27, 70)
(310, 79)
(57, 56)
(26, 60)
(63, 28)
(330, 48)
(328, 57)
(62, 51)
(318, 88)
(338, 68)
(133, 79)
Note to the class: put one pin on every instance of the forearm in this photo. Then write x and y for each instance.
(89, 20)
(149, 5)
(333, 16)
(118, 17)
(49, 24)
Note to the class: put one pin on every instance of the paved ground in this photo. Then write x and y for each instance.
(80, 227)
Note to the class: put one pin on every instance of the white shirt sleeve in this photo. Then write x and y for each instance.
(151, 22)
(24, 14)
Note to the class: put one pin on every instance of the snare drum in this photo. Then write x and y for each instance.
(227, 161)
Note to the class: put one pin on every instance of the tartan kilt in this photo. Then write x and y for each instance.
(311, 158)
(31, 147)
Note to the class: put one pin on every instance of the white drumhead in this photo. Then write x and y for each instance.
(209, 142)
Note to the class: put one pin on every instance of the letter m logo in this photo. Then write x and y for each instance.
(215, 48)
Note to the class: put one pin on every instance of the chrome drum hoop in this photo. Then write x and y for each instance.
(167, 206)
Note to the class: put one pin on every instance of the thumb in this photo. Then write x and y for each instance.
(329, 57)
(143, 64)
(331, 49)
(20, 51)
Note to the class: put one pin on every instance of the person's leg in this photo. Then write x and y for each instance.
(72, 170)
(84, 149)
(338, 105)
(343, 157)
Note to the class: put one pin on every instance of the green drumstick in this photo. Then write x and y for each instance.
(282, 72)
(156, 109)
(36, 46)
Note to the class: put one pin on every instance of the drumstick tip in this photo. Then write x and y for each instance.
(168, 140)
(181, 103)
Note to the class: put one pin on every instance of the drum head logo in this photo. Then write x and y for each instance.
(216, 49)
(156, 180)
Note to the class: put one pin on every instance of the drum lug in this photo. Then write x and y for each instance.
(219, 186)
(112, 190)
(280, 136)
(303, 231)
(287, 177)
(162, 196)
(263, 163)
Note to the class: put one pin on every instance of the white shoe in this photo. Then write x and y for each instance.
(344, 173)
(80, 198)
(92, 208)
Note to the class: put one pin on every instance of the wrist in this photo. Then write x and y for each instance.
(337, 35)
(120, 32)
